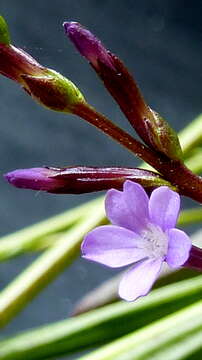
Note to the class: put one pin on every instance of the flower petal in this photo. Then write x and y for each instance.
(113, 246)
(128, 208)
(179, 246)
(139, 279)
(164, 205)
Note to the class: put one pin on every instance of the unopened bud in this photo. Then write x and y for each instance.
(54, 91)
(47, 86)
(35, 178)
(152, 128)
(78, 180)
(88, 45)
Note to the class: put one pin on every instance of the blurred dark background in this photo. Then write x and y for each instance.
(161, 43)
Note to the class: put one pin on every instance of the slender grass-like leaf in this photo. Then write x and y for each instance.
(100, 326)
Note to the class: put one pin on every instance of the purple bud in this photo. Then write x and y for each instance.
(152, 128)
(88, 45)
(115, 76)
(35, 179)
(46, 86)
(78, 180)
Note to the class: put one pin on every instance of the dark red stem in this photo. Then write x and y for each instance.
(174, 171)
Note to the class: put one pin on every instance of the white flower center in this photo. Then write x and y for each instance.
(155, 241)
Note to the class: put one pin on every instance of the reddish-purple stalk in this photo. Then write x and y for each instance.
(14, 62)
(167, 167)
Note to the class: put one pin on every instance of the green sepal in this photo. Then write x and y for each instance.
(164, 138)
(4, 32)
(54, 91)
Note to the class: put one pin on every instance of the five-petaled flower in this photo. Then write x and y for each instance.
(142, 233)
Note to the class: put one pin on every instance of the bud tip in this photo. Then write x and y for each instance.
(87, 44)
(34, 178)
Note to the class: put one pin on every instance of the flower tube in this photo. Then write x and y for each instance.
(81, 179)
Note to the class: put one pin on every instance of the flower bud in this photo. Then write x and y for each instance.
(48, 87)
(88, 45)
(152, 128)
(54, 91)
(78, 180)
(35, 178)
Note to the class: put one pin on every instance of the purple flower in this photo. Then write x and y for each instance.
(143, 234)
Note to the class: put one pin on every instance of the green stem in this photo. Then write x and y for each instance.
(168, 330)
(48, 265)
(99, 326)
(194, 162)
(32, 237)
(191, 136)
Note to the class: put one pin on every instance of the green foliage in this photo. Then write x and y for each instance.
(111, 322)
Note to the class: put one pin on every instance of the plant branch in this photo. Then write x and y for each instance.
(172, 170)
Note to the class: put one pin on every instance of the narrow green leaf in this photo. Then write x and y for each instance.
(99, 326)
(44, 269)
(191, 136)
(32, 237)
(142, 344)
(194, 162)
(183, 346)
